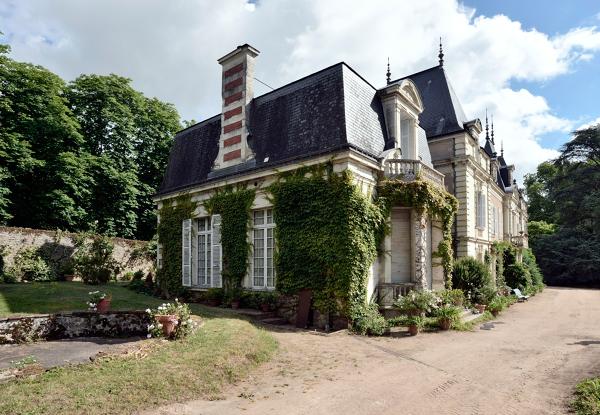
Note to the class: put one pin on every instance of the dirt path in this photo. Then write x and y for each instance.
(525, 362)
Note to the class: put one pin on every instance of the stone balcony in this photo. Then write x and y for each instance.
(518, 240)
(409, 170)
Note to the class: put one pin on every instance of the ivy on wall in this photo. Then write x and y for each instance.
(171, 214)
(233, 204)
(425, 198)
(326, 236)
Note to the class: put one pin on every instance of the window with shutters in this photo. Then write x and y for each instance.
(204, 258)
(263, 243)
(480, 209)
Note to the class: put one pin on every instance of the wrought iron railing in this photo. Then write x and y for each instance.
(410, 170)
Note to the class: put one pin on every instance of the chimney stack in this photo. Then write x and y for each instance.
(237, 92)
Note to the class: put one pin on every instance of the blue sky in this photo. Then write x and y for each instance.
(574, 95)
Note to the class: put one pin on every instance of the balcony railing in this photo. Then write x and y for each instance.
(389, 292)
(518, 240)
(409, 170)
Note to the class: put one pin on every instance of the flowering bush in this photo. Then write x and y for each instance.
(184, 324)
(95, 297)
(417, 302)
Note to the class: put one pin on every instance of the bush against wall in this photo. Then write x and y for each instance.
(172, 214)
(93, 260)
(471, 276)
(31, 265)
(327, 237)
(233, 204)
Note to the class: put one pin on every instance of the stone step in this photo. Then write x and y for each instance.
(254, 314)
(275, 321)
(468, 315)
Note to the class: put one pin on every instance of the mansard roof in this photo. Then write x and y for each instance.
(443, 113)
(330, 110)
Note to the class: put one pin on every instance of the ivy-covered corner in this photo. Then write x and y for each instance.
(172, 213)
(327, 235)
(426, 198)
(234, 205)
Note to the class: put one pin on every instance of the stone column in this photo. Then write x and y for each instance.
(421, 240)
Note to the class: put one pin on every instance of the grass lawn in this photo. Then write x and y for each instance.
(587, 397)
(51, 297)
(223, 350)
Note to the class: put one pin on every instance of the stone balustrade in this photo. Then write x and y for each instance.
(410, 170)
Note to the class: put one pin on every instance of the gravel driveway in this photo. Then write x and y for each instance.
(525, 362)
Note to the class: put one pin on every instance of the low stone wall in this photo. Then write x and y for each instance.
(74, 324)
(59, 246)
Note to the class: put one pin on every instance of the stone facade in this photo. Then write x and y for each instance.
(75, 324)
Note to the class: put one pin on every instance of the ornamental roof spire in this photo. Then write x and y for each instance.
(493, 129)
(388, 74)
(441, 54)
(487, 135)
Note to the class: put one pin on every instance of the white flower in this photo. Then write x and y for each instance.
(148, 311)
(176, 300)
(148, 335)
(150, 327)
(92, 305)
(159, 326)
(95, 309)
(189, 320)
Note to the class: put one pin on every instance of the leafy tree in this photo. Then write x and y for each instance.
(538, 187)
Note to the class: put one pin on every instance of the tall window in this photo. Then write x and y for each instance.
(204, 251)
(480, 208)
(263, 271)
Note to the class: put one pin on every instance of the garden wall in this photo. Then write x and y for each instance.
(59, 246)
(74, 324)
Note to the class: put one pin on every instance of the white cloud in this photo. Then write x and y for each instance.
(170, 50)
(589, 124)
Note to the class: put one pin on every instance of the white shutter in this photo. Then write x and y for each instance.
(186, 253)
(216, 260)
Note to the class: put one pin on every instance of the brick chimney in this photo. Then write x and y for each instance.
(237, 92)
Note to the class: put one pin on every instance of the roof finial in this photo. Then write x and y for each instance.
(441, 54)
(487, 135)
(493, 129)
(388, 74)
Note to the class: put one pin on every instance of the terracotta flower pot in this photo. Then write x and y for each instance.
(103, 305)
(169, 323)
(214, 302)
(480, 308)
(265, 307)
(413, 329)
(495, 312)
(69, 277)
(445, 323)
(235, 304)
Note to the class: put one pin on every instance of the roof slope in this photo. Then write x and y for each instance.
(443, 113)
(329, 110)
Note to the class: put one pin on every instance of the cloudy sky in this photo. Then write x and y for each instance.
(534, 64)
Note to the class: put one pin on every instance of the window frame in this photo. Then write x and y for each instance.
(265, 226)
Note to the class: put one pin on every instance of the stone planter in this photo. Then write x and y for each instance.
(413, 330)
(445, 323)
(169, 323)
(103, 305)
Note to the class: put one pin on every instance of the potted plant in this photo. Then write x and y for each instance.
(453, 297)
(235, 296)
(415, 323)
(496, 306)
(417, 303)
(214, 296)
(482, 297)
(172, 320)
(99, 301)
(67, 270)
(447, 314)
(267, 301)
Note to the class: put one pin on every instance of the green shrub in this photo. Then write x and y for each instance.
(31, 266)
(128, 276)
(484, 295)
(454, 297)
(366, 319)
(93, 259)
(517, 276)
(537, 280)
(214, 294)
(587, 397)
(470, 276)
(417, 302)
(8, 278)
(497, 305)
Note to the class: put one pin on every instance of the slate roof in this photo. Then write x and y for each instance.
(443, 113)
(327, 111)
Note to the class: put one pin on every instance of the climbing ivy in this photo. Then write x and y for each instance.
(233, 204)
(425, 198)
(326, 237)
(171, 214)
